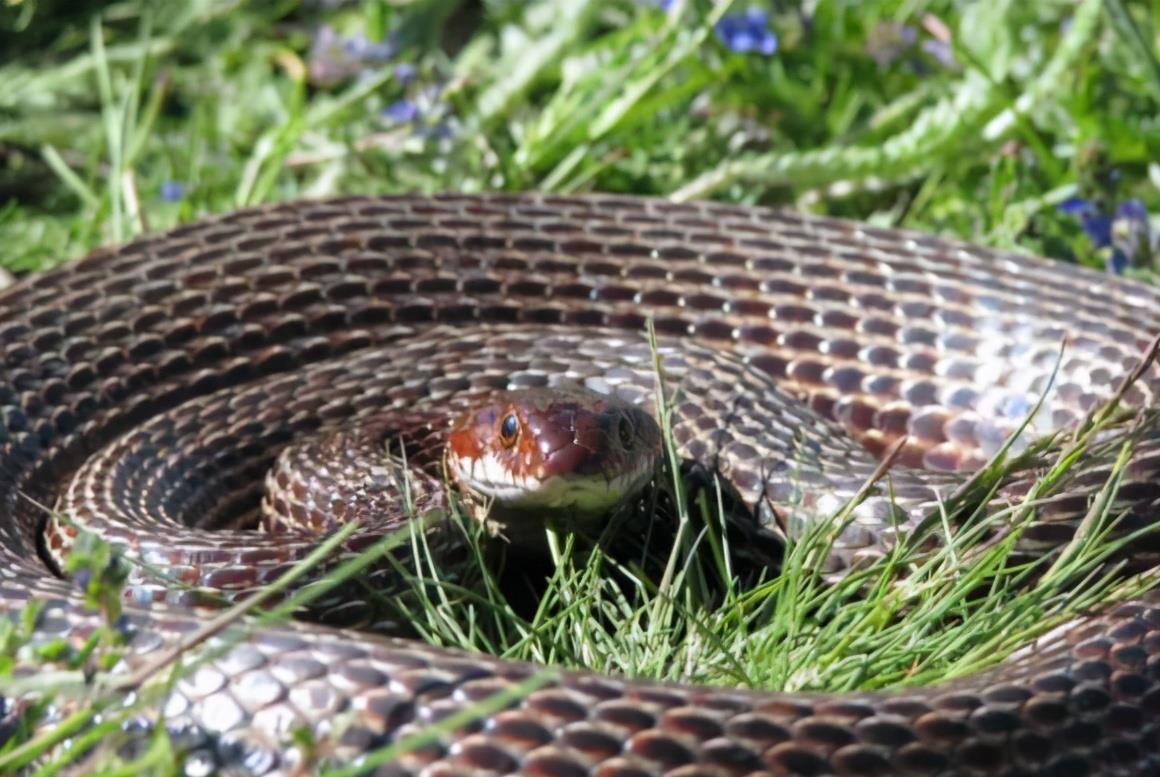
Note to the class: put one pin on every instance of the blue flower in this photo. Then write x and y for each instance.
(172, 191)
(1131, 209)
(1075, 206)
(405, 73)
(402, 111)
(1117, 262)
(941, 51)
(747, 32)
(334, 58)
(887, 41)
(1096, 223)
(441, 131)
(1122, 236)
(363, 50)
(1132, 238)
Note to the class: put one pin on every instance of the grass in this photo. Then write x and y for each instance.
(150, 114)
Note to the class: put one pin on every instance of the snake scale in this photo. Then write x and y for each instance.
(884, 334)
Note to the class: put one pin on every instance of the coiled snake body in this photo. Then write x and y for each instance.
(245, 330)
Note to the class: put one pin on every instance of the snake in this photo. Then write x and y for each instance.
(150, 389)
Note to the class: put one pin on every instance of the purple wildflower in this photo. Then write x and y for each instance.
(888, 40)
(402, 111)
(334, 58)
(1094, 222)
(1132, 239)
(747, 32)
(405, 73)
(440, 131)
(1075, 206)
(938, 46)
(363, 50)
(1124, 236)
(1131, 209)
(172, 191)
(941, 51)
(1117, 262)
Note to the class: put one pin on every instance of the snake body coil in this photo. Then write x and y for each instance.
(273, 314)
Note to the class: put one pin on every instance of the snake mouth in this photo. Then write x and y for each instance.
(567, 451)
(489, 477)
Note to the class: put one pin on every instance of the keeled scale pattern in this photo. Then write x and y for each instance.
(884, 332)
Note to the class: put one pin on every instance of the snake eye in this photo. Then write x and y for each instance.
(508, 429)
(624, 430)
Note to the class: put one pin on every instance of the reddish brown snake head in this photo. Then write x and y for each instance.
(573, 451)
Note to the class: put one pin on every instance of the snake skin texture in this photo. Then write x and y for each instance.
(146, 390)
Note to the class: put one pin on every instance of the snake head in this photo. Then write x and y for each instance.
(570, 451)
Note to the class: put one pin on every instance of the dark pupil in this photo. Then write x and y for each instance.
(625, 432)
(509, 427)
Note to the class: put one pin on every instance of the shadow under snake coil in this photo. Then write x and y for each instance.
(839, 338)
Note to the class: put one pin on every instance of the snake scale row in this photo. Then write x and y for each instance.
(241, 331)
